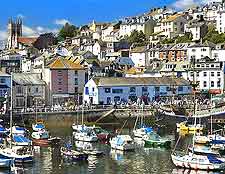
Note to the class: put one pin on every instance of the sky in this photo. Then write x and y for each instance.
(49, 15)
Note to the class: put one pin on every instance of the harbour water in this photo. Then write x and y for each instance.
(143, 160)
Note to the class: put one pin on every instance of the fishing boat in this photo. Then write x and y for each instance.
(194, 161)
(184, 127)
(20, 154)
(122, 142)
(154, 140)
(73, 155)
(38, 126)
(40, 138)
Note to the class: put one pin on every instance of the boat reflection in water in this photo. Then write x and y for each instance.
(117, 155)
(188, 171)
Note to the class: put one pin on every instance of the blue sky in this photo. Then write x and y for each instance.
(47, 15)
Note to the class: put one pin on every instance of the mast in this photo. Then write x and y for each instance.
(11, 111)
(194, 85)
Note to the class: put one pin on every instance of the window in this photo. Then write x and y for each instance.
(59, 73)
(93, 89)
(86, 91)
(144, 89)
(132, 89)
(116, 99)
(117, 91)
(19, 90)
(59, 89)
(193, 50)
(76, 89)
(212, 83)
(157, 89)
(76, 81)
(180, 88)
(107, 90)
(198, 65)
(212, 66)
(203, 49)
(204, 74)
(197, 74)
(36, 90)
(218, 84)
(205, 84)
(168, 88)
(76, 72)
(59, 82)
(218, 74)
(212, 74)
(2, 80)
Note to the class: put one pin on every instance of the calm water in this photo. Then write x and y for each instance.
(152, 161)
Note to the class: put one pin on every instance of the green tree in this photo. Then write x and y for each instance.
(187, 37)
(68, 30)
(136, 37)
(213, 35)
(167, 41)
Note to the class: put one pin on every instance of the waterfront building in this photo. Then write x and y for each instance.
(209, 75)
(65, 80)
(27, 88)
(109, 90)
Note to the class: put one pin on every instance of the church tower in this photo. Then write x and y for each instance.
(14, 32)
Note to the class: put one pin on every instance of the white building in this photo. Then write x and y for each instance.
(209, 75)
(171, 26)
(197, 29)
(110, 90)
(141, 23)
(138, 56)
(199, 51)
(220, 21)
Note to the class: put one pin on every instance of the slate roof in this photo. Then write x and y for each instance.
(124, 61)
(139, 81)
(27, 79)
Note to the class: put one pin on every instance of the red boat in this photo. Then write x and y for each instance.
(41, 142)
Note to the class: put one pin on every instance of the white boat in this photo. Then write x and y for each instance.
(86, 135)
(43, 134)
(38, 127)
(18, 153)
(198, 162)
(122, 142)
(141, 132)
(18, 130)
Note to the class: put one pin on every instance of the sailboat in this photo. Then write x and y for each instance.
(122, 142)
(83, 133)
(17, 153)
(143, 130)
(194, 161)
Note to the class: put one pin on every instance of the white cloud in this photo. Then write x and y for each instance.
(61, 21)
(28, 31)
(3, 35)
(184, 4)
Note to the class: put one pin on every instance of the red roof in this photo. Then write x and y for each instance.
(27, 40)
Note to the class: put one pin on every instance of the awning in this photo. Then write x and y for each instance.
(215, 91)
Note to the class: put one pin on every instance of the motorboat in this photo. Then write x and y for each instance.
(40, 138)
(20, 154)
(141, 132)
(122, 142)
(154, 140)
(86, 135)
(198, 162)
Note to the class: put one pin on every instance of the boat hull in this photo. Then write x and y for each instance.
(6, 163)
(40, 142)
(165, 144)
